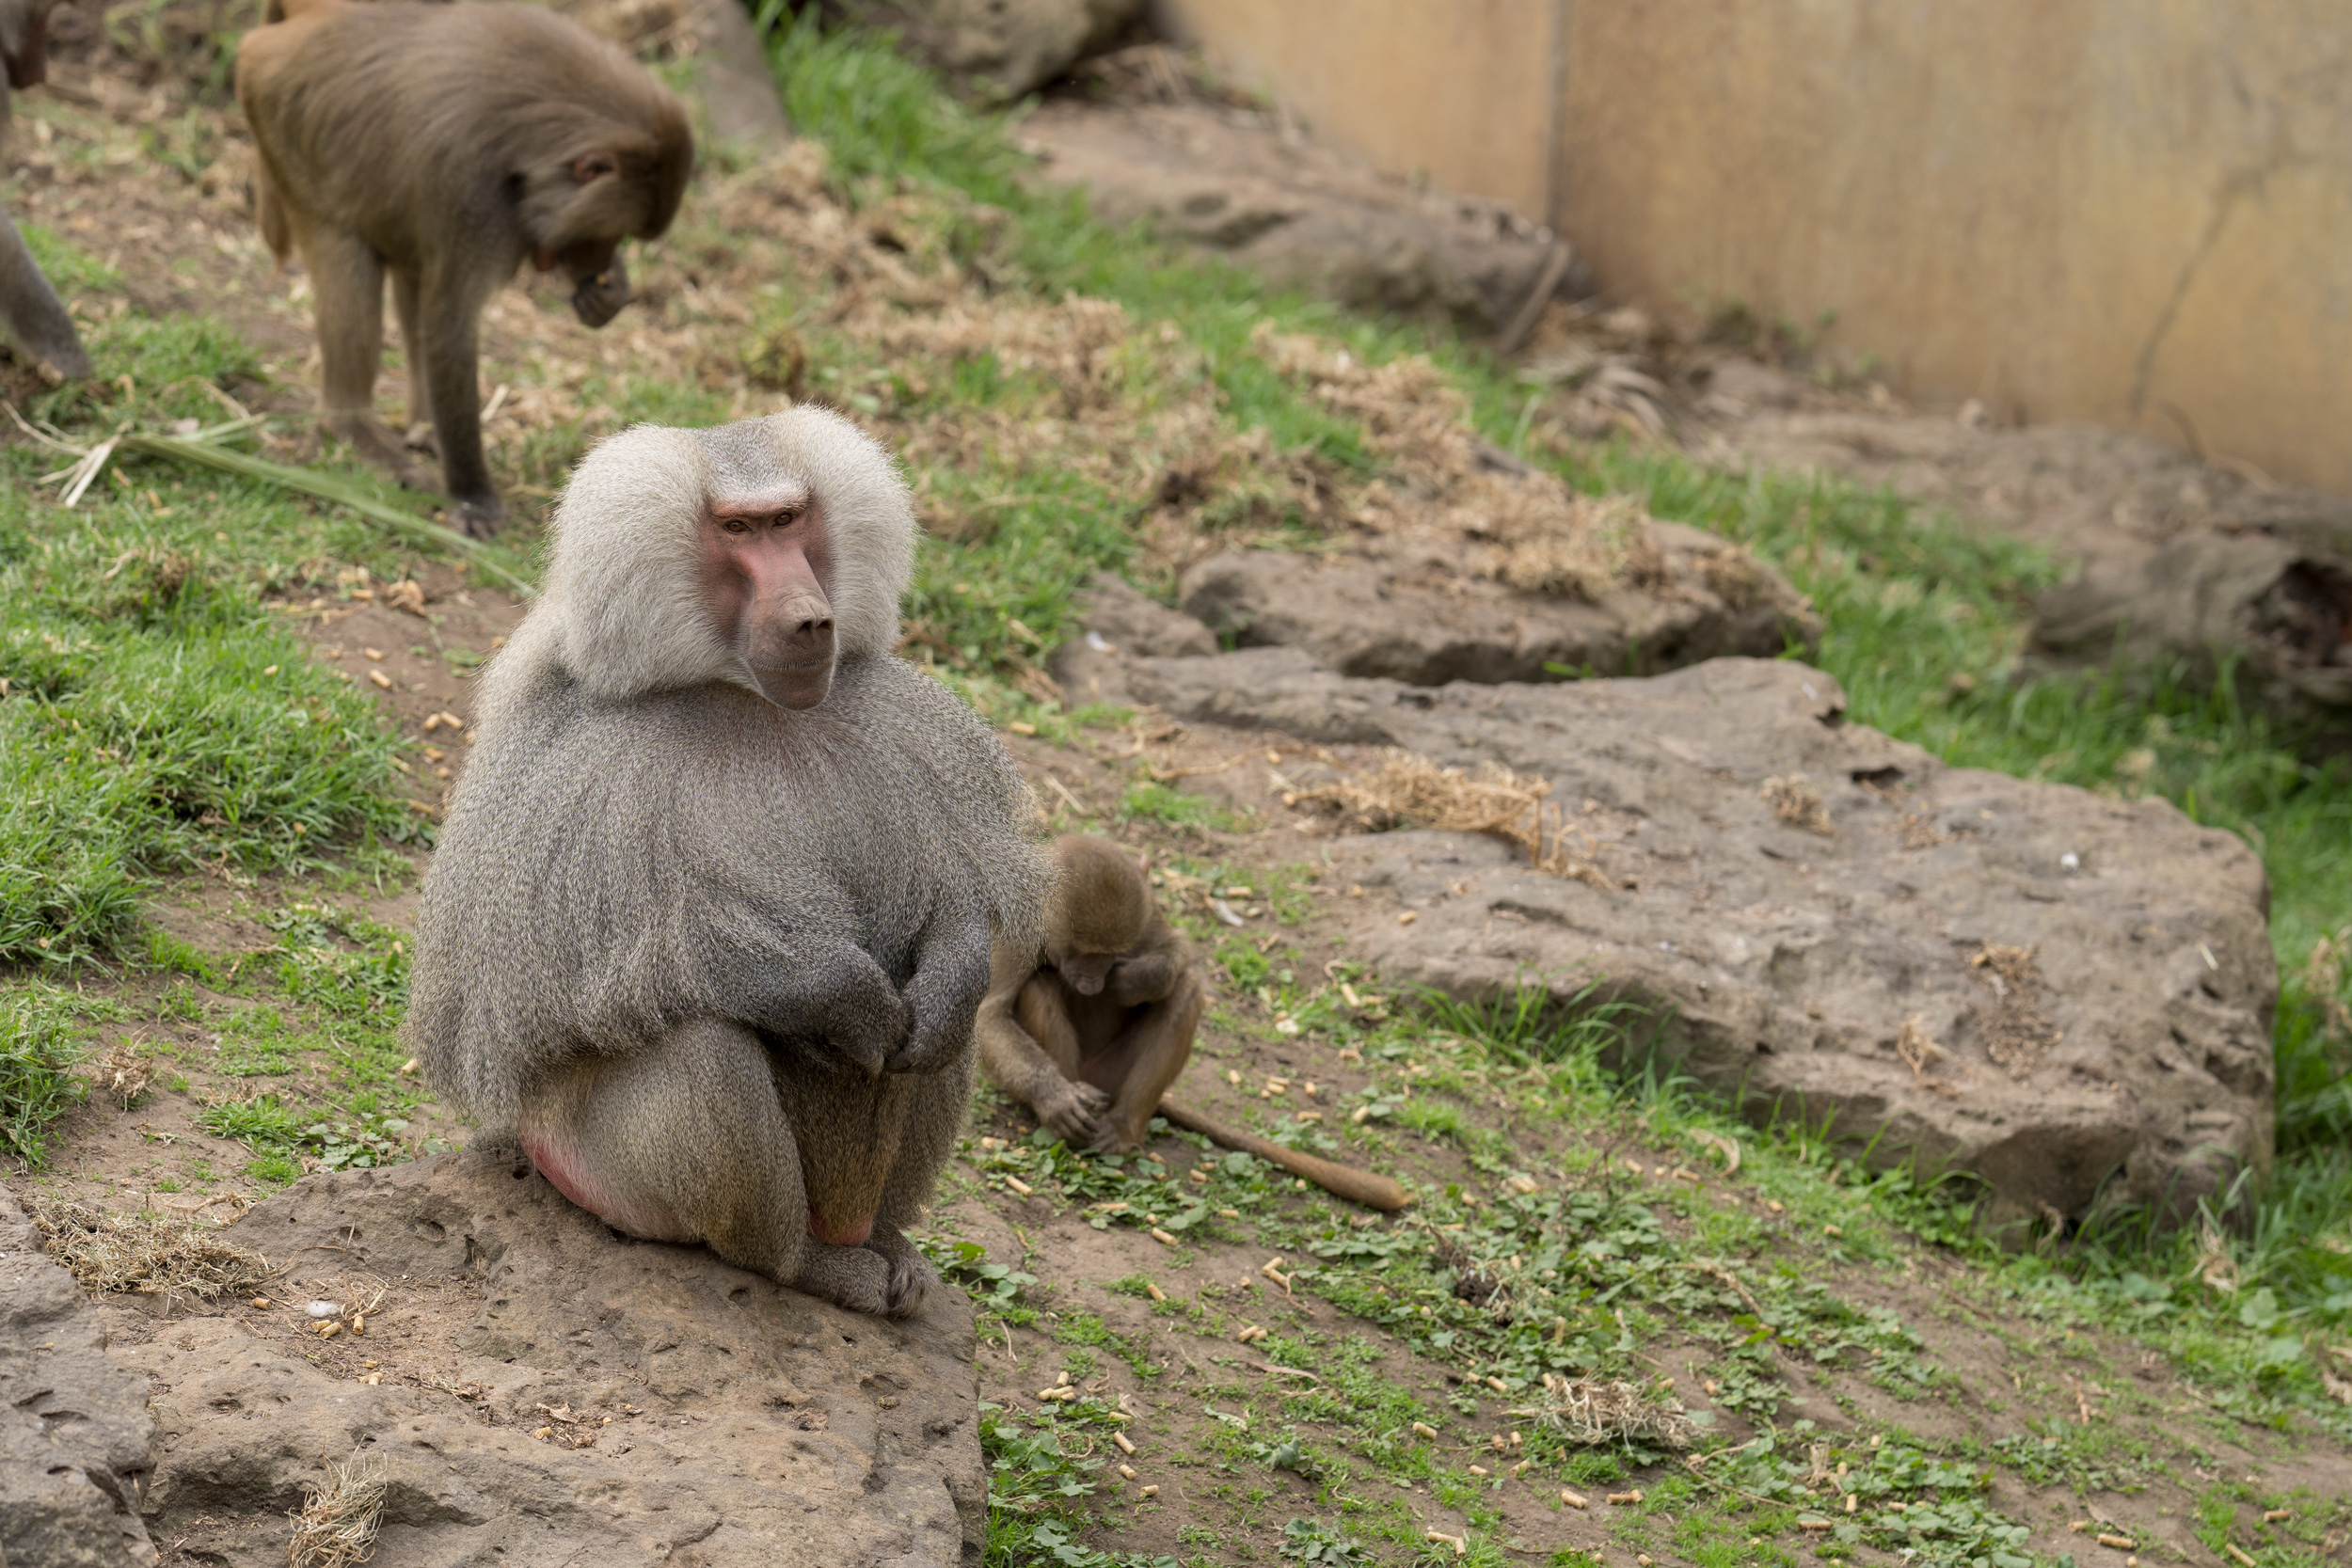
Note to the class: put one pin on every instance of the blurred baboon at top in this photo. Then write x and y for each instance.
(37, 322)
(444, 145)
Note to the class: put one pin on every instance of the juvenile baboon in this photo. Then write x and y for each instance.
(444, 144)
(1090, 1024)
(712, 909)
(36, 319)
(1091, 1027)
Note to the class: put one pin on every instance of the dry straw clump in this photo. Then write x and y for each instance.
(149, 1254)
(2021, 1032)
(1915, 1047)
(1588, 1411)
(1486, 512)
(338, 1522)
(1797, 802)
(1409, 790)
(121, 1071)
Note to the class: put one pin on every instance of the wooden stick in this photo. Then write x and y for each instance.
(1530, 309)
(1356, 1186)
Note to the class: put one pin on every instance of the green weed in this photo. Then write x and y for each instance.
(41, 1036)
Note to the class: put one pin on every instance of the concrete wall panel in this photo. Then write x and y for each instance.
(2136, 213)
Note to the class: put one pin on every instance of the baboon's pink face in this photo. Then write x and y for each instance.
(766, 566)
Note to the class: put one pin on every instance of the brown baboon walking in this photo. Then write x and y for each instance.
(443, 145)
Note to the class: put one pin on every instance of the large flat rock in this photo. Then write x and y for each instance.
(1415, 620)
(693, 1412)
(1780, 963)
(2277, 615)
(1297, 213)
(76, 1444)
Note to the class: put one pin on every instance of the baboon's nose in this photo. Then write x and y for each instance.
(808, 627)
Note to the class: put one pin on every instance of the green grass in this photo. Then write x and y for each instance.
(1604, 1269)
(41, 1040)
(155, 717)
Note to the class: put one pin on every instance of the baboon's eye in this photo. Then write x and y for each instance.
(735, 525)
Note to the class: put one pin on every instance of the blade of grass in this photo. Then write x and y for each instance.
(327, 488)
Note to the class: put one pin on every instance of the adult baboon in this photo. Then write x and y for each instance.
(36, 319)
(713, 909)
(443, 144)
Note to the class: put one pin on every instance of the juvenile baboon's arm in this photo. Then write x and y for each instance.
(1145, 976)
(1150, 1057)
(1027, 1064)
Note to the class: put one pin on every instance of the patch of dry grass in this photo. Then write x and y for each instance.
(1797, 800)
(1484, 512)
(120, 1072)
(1409, 790)
(1588, 1411)
(147, 1254)
(2020, 1032)
(338, 1522)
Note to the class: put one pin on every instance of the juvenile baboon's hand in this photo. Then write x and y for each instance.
(1115, 1138)
(1135, 981)
(1075, 1114)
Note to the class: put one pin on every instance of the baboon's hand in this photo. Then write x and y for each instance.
(868, 1031)
(949, 980)
(1148, 977)
(1075, 1112)
(828, 998)
(1115, 1138)
(478, 516)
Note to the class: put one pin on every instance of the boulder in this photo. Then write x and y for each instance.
(76, 1444)
(551, 1393)
(2068, 995)
(2282, 614)
(1115, 625)
(1127, 621)
(1001, 48)
(726, 74)
(1424, 623)
(1244, 185)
